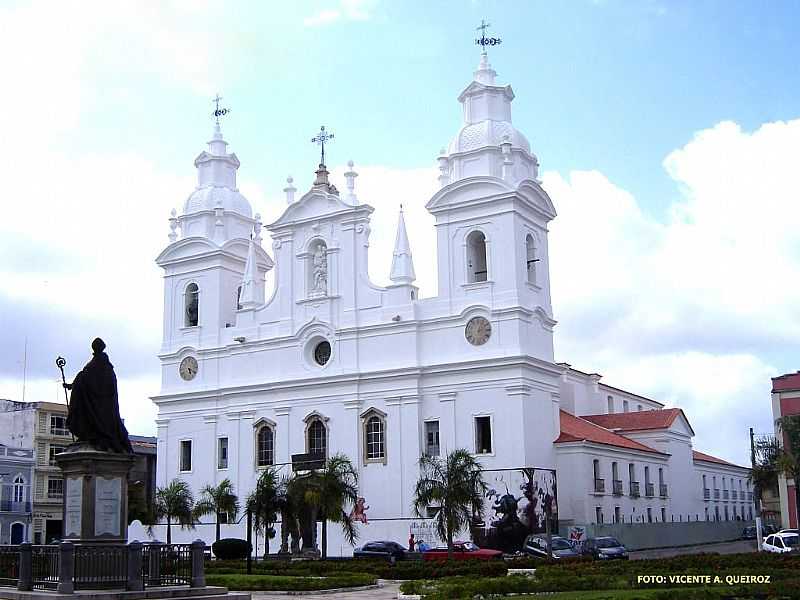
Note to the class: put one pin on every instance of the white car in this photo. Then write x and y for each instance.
(782, 542)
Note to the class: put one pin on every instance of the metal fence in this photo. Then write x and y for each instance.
(9, 565)
(100, 567)
(167, 565)
(67, 567)
(44, 567)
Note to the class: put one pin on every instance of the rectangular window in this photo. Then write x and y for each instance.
(58, 425)
(611, 405)
(483, 435)
(432, 438)
(625, 407)
(53, 451)
(186, 455)
(617, 515)
(55, 488)
(222, 453)
(598, 515)
(649, 515)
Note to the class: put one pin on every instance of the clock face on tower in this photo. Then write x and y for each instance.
(188, 368)
(478, 331)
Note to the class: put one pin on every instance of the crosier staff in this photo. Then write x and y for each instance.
(61, 363)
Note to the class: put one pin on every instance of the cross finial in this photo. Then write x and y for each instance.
(322, 137)
(484, 41)
(219, 112)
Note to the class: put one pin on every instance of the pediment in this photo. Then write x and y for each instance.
(475, 87)
(186, 248)
(317, 204)
(194, 247)
(466, 190)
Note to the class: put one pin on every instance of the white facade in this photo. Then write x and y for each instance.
(250, 380)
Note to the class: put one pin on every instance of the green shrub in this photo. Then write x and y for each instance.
(411, 569)
(231, 548)
(289, 584)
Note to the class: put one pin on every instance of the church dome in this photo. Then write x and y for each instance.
(211, 197)
(487, 133)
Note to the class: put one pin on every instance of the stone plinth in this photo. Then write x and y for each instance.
(95, 494)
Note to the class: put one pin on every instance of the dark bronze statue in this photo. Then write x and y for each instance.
(93, 415)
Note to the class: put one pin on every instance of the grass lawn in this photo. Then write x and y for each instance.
(601, 594)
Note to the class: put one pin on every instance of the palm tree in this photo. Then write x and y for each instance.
(454, 486)
(263, 504)
(218, 501)
(174, 502)
(330, 491)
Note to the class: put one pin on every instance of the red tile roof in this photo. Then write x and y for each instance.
(713, 459)
(577, 429)
(784, 383)
(639, 420)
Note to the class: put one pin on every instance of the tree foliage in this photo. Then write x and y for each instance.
(455, 486)
(218, 500)
(175, 502)
(264, 503)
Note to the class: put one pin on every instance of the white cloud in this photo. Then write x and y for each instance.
(692, 309)
(345, 10)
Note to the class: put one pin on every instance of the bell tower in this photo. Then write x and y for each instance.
(491, 212)
(216, 262)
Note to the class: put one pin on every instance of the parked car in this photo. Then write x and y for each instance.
(781, 543)
(749, 533)
(604, 548)
(536, 546)
(462, 551)
(381, 549)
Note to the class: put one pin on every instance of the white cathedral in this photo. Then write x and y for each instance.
(331, 362)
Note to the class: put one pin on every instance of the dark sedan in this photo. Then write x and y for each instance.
(383, 549)
(604, 548)
(536, 546)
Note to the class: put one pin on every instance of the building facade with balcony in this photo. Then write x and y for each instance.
(16, 479)
(624, 458)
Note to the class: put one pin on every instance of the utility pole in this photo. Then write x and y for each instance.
(756, 491)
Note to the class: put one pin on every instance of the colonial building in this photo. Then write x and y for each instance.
(786, 402)
(328, 361)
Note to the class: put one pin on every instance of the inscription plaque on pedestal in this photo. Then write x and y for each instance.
(107, 498)
(73, 506)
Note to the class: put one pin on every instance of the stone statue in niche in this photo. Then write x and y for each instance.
(319, 271)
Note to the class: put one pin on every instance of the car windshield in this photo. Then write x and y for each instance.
(560, 544)
(608, 542)
(791, 540)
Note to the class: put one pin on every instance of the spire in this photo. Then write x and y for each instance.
(484, 73)
(249, 296)
(402, 263)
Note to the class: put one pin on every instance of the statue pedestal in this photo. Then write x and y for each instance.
(95, 494)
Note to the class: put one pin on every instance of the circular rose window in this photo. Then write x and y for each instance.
(322, 353)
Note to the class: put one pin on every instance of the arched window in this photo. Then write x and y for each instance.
(374, 437)
(476, 257)
(239, 298)
(265, 446)
(192, 305)
(317, 437)
(19, 489)
(530, 258)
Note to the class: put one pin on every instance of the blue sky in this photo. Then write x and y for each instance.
(667, 133)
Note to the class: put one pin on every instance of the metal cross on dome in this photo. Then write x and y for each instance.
(322, 137)
(219, 112)
(484, 41)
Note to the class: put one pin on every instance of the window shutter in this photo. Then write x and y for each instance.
(41, 453)
(37, 524)
(40, 487)
(42, 422)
